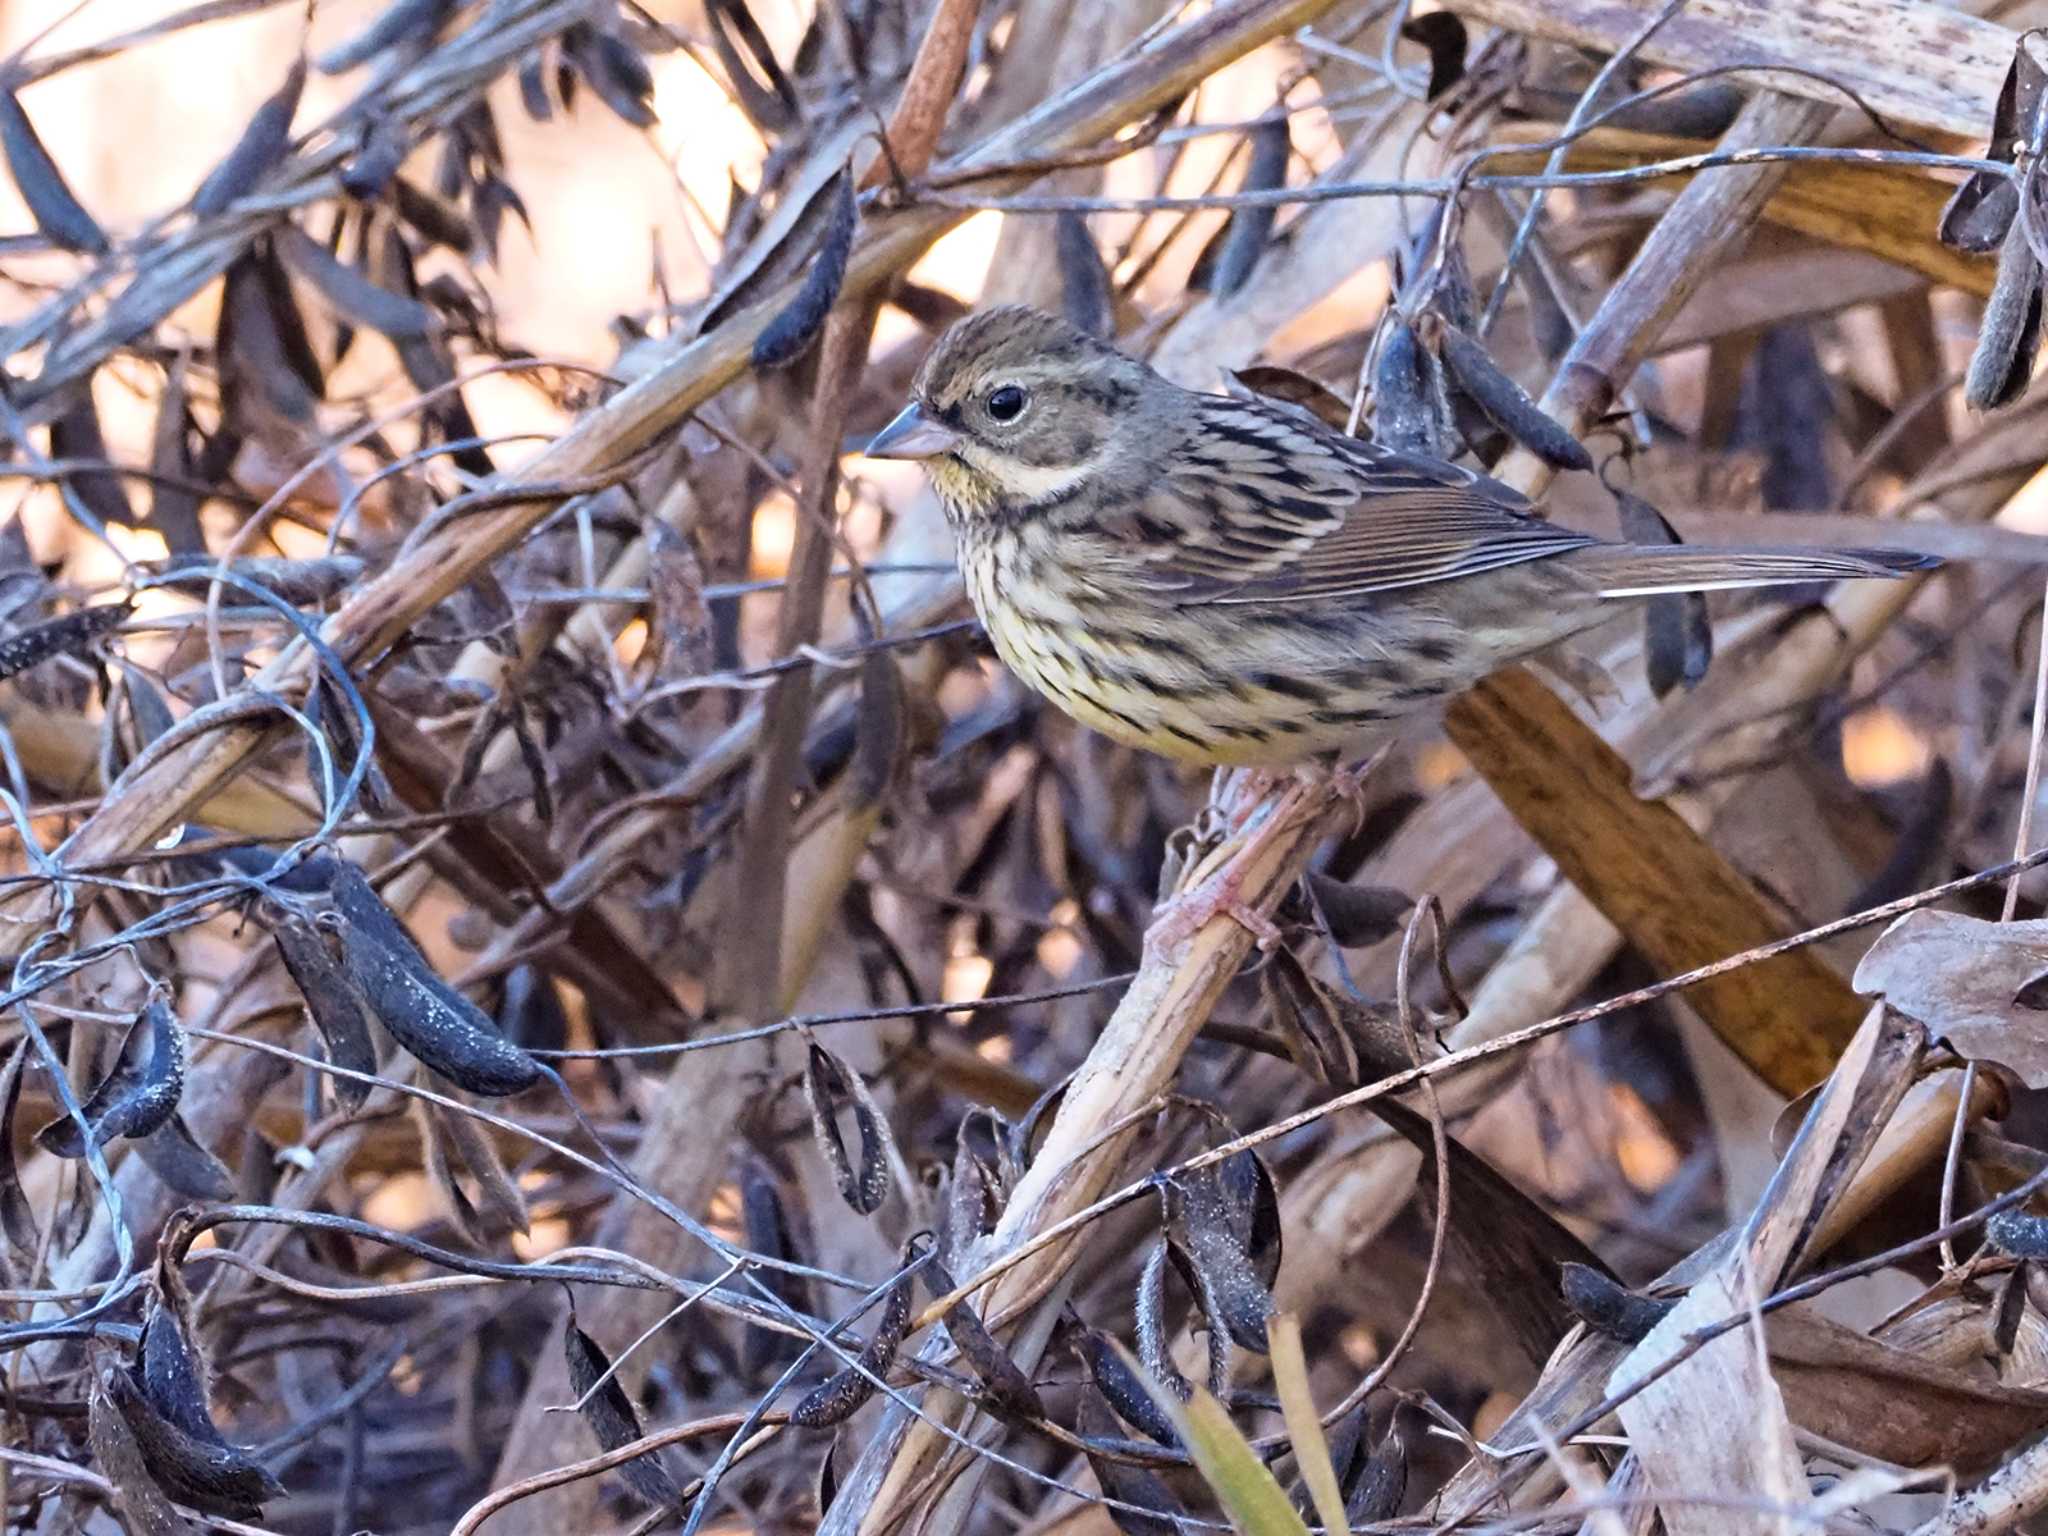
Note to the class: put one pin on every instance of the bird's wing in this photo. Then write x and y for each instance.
(1260, 506)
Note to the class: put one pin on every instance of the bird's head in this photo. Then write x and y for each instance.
(1015, 411)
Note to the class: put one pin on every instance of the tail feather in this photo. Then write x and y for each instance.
(1636, 570)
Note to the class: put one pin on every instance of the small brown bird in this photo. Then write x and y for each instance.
(1231, 582)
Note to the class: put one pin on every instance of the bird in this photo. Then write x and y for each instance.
(1234, 583)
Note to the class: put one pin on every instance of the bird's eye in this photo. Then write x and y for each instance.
(1007, 403)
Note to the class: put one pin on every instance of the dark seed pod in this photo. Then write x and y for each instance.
(141, 1504)
(1609, 1308)
(530, 1013)
(172, 1374)
(17, 1217)
(1133, 1488)
(1380, 1485)
(1086, 295)
(174, 1155)
(609, 1413)
(880, 732)
(1507, 405)
(434, 1022)
(1678, 636)
(2016, 1232)
(1984, 206)
(258, 152)
(348, 293)
(2010, 333)
(765, 1220)
(1208, 1233)
(533, 88)
(1360, 915)
(828, 1083)
(58, 214)
(1444, 36)
(137, 1096)
(219, 1479)
(173, 503)
(76, 435)
(399, 22)
(1121, 1388)
(432, 216)
(1245, 236)
(66, 636)
(797, 324)
(367, 173)
(1008, 1391)
(839, 1396)
(1411, 410)
(1149, 1317)
(615, 71)
(2011, 1310)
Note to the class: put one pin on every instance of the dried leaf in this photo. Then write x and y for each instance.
(1962, 977)
(174, 505)
(258, 152)
(800, 322)
(455, 1146)
(609, 1413)
(434, 1022)
(680, 631)
(58, 214)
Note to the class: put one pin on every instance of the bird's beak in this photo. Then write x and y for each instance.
(912, 435)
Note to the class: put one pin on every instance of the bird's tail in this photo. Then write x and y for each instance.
(1638, 570)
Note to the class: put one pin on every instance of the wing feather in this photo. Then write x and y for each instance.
(1260, 505)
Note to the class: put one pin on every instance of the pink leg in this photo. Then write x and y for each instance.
(1178, 919)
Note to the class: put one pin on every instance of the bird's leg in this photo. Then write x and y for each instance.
(1209, 896)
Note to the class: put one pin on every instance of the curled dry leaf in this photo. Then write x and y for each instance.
(1965, 979)
(829, 1083)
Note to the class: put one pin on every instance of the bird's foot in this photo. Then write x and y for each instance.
(1176, 921)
